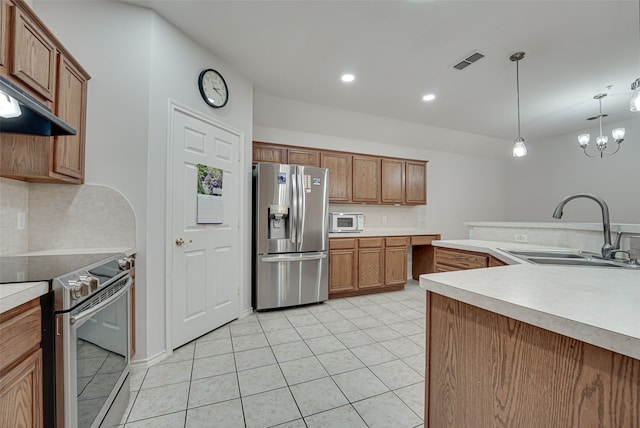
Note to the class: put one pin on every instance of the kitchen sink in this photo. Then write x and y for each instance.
(552, 254)
(567, 258)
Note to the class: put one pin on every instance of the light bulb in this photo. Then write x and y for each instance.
(9, 107)
(583, 140)
(348, 78)
(519, 149)
(618, 134)
(602, 141)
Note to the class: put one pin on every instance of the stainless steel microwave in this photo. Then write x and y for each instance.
(346, 222)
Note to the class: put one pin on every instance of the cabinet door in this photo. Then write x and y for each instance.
(416, 183)
(392, 181)
(395, 265)
(21, 394)
(71, 106)
(366, 179)
(34, 55)
(339, 165)
(449, 259)
(342, 270)
(370, 268)
(268, 153)
(4, 36)
(304, 157)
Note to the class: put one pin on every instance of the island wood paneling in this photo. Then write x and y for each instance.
(487, 370)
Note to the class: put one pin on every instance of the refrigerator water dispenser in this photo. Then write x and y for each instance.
(278, 225)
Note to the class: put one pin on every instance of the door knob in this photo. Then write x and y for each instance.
(180, 242)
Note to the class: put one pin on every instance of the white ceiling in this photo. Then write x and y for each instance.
(400, 50)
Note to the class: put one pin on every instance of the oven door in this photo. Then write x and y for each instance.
(92, 359)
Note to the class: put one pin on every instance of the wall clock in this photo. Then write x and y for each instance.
(213, 88)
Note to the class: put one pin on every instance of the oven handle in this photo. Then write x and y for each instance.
(82, 316)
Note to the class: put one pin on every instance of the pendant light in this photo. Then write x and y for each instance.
(519, 149)
(634, 103)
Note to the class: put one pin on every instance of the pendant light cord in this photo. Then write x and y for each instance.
(518, 92)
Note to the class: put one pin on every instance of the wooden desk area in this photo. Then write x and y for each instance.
(365, 264)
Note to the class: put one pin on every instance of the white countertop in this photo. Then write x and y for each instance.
(382, 232)
(596, 227)
(600, 306)
(13, 295)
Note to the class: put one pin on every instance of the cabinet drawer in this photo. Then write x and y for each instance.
(342, 243)
(369, 242)
(19, 335)
(397, 241)
(461, 259)
(423, 240)
(445, 268)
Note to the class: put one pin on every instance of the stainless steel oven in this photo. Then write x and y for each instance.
(92, 307)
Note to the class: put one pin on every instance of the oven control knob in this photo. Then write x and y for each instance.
(91, 281)
(125, 263)
(81, 287)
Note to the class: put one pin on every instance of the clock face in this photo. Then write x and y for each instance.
(213, 88)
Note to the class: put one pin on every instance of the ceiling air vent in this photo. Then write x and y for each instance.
(468, 61)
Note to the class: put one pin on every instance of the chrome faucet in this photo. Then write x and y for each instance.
(608, 249)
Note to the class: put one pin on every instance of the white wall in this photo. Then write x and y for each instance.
(557, 167)
(137, 62)
(462, 184)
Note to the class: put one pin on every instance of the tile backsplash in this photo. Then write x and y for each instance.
(61, 217)
(382, 216)
(14, 199)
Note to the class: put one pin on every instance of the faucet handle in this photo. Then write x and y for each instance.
(616, 243)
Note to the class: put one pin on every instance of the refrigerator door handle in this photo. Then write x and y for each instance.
(294, 215)
(296, 258)
(301, 212)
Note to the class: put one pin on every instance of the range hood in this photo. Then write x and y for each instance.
(35, 118)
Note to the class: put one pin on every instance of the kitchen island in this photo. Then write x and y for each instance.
(529, 346)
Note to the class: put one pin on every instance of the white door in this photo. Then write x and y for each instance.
(205, 276)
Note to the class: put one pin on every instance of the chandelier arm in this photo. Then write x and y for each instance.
(593, 155)
(615, 151)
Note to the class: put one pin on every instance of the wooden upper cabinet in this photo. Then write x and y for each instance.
(416, 183)
(366, 179)
(340, 173)
(33, 59)
(268, 153)
(4, 37)
(71, 106)
(392, 181)
(353, 177)
(307, 157)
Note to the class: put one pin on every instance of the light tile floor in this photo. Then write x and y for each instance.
(351, 362)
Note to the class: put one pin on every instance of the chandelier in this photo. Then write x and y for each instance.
(601, 140)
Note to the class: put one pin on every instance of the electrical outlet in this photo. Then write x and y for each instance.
(520, 238)
(384, 219)
(21, 221)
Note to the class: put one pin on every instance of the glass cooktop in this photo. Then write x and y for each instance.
(45, 267)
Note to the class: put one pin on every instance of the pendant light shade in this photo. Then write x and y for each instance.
(519, 149)
(634, 104)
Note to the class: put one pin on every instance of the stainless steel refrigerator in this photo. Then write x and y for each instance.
(290, 235)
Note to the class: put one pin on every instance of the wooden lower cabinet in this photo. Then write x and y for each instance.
(376, 264)
(370, 263)
(21, 366)
(395, 260)
(487, 370)
(448, 260)
(343, 265)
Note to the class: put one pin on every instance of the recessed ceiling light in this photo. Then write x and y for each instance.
(348, 78)
(428, 97)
